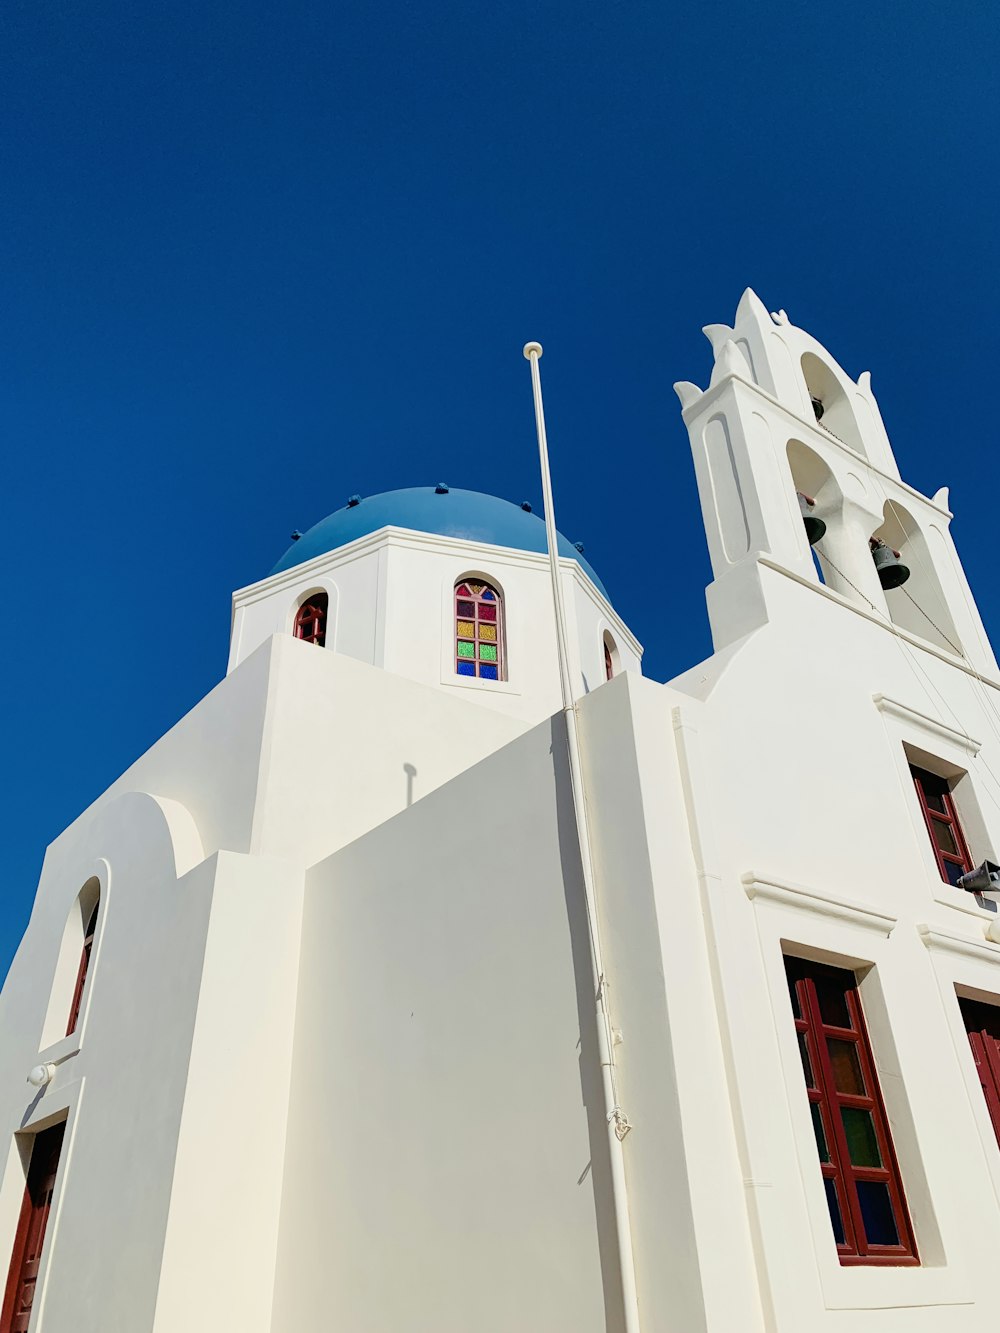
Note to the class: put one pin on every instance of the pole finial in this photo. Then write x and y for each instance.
(532, 349)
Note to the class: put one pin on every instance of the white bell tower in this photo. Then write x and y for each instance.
(779, 419)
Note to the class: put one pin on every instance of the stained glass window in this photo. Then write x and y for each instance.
(479, 646)
(310, 619)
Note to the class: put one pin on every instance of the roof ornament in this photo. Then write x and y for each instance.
(295, 535)
(441, 489)
(353, 500)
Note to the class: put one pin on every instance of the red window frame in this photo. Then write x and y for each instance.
(84, 968)
(982, 1025)
(951, 851)
(29, 1239)
(310, 619)
(860, 1173)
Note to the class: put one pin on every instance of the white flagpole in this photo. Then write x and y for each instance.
(617, 1121)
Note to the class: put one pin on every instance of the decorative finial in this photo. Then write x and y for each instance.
(440, 489)
(578, 546)
(532, 349)
(353, 500)
(296, 535)
(687, 392)
(779, 317)
(526, 506)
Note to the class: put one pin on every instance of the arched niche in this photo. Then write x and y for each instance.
(838, 415)
(67, 996)
(919, 605)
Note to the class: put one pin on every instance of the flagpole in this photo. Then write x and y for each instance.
(617, 1122)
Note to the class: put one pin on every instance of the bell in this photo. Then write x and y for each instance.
(817, 407)
(815, 527)
(892, 573)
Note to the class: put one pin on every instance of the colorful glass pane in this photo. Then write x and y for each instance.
(466, 629)
(488, 633)
(847, 1076)
(477, 588)
(489, 595)
(487, 652)
(466, 668)
(466, 649)
(467, 609)
(463, 591)
(485, 613)
(488, 672)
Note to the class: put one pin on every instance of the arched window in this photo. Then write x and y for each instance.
(82, 970)
(310, 619)
(479, 630)
(611, 660)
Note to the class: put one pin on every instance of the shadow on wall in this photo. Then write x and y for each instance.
(591, 1083)
(411, 773)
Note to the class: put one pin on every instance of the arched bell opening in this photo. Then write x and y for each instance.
(831, 406)
(913, 591)
(818, 500)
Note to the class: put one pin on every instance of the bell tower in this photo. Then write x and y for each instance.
(782, 434)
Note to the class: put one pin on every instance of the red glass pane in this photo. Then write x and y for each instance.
(487, 613)
(463, 591)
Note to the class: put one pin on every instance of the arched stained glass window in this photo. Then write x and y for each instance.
(310, 619)
(478, 630)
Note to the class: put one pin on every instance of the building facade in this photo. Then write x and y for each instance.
(305, 1000)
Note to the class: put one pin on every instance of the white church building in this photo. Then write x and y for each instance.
(303, 1033)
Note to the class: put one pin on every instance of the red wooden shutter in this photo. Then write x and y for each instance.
(30, 1236)
(982, 1023)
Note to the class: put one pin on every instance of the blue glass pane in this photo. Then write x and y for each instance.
(876, 1211)
(466, 668)
(488, 671)
(489, 596)
(835, 1218)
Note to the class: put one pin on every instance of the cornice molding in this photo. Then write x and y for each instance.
(797, 896)
(913, 718)
(947, 941)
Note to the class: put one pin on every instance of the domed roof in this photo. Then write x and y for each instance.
(468, 515)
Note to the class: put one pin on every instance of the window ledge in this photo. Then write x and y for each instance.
(910, 715)
(58, 1051)
(787, 894)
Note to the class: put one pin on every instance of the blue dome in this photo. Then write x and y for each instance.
(467, 515)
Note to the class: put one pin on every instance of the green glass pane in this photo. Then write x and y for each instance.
(847, 1076)
(861, 1141)
(806, 1065)
(487, 652)
(466, 649)
(824, 1151)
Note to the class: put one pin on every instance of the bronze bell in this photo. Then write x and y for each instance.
(815, 527)
(817, 406)
(892, 573)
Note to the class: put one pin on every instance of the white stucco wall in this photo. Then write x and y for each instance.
(440, 1172)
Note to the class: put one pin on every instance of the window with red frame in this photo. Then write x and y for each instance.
(84, 968)
(982, 1023)
(941, 818)
(310, 619)
(864, 1192)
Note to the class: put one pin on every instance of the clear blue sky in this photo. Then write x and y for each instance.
(257, 257)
